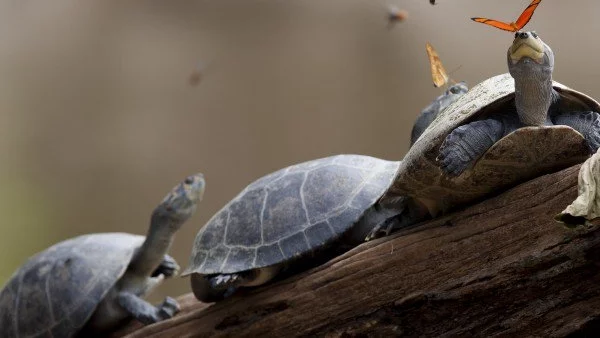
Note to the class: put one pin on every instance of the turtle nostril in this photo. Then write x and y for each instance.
(523, 35)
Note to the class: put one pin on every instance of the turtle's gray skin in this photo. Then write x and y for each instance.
(296, 212)
(94, 282)
(506, 130)
(429, 113)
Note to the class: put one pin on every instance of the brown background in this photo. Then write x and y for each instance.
(98, 121)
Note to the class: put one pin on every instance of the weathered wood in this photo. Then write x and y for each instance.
(503, 267)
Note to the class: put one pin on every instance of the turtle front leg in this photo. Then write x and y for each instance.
(168, 267)
(586, 123)
(406, 211)
(145, 312)
(467, 143)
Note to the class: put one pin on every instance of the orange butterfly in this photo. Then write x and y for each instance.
(513, 26)
(438, 73)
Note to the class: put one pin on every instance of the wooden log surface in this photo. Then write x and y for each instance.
(503, 267)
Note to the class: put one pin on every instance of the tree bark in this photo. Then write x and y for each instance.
(503, 267)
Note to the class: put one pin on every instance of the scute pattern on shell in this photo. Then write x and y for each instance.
(420, 176)
(290, 212)
(55, 292)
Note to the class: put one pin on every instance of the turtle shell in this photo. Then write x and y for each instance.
(56, 291)
(290, 212)
(519, 156)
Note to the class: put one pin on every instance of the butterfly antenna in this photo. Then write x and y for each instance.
(451, 72)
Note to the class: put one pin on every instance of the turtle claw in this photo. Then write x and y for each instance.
(225, 281)
(451, 167)
(378, 232)
(168, 308)
(466, 144)
(168, 267)
(593, 135)
(381, 230)
(453, 157)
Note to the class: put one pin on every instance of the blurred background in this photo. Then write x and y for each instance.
(98, 120)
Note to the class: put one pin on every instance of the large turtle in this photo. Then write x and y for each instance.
(506, 130)
(93, 282)
(490, 138)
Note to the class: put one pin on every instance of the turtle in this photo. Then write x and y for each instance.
(429, 113)
(92, 283)
(506, 130)
(312, 210)
(492, 137)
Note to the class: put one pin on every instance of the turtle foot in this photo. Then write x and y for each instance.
(226, 281)
(168, 267)
(466, 144)
(145, 312)
(586, 123)
(380, 230)
(204, 292)
(168, 308)
(592, 134)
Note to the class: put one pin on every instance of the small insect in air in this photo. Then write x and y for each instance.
(432, 2)
(395, 15)
(197, 74)
(438, 72)
(512, 26)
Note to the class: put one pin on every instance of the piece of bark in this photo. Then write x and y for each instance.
(503, 267)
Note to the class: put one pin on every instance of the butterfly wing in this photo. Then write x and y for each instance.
(438, 73)
(527, 14)
(498, 24)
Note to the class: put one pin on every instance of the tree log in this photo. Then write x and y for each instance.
(503, 267)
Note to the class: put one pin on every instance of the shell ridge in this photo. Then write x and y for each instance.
(262, 217)
(226, 258)
(226, 228)
(17, 302)
(280, 248)
(306, 239)
(302, 200)
(49, 296)
(255, 257)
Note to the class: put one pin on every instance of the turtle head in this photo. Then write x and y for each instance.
(458, 88)
(530, 63)
(529, 54)
(180, 203)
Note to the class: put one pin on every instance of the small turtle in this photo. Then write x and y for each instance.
(429, 113)
(311, 210)
(506, 130)
(94, 282)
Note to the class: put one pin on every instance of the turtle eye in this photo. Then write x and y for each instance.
(189, 180)
(534, 34)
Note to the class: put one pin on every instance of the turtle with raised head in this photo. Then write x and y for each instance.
(506, 130)
(94, 282)
(503, 131)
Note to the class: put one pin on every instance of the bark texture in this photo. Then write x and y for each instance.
(503, 267)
